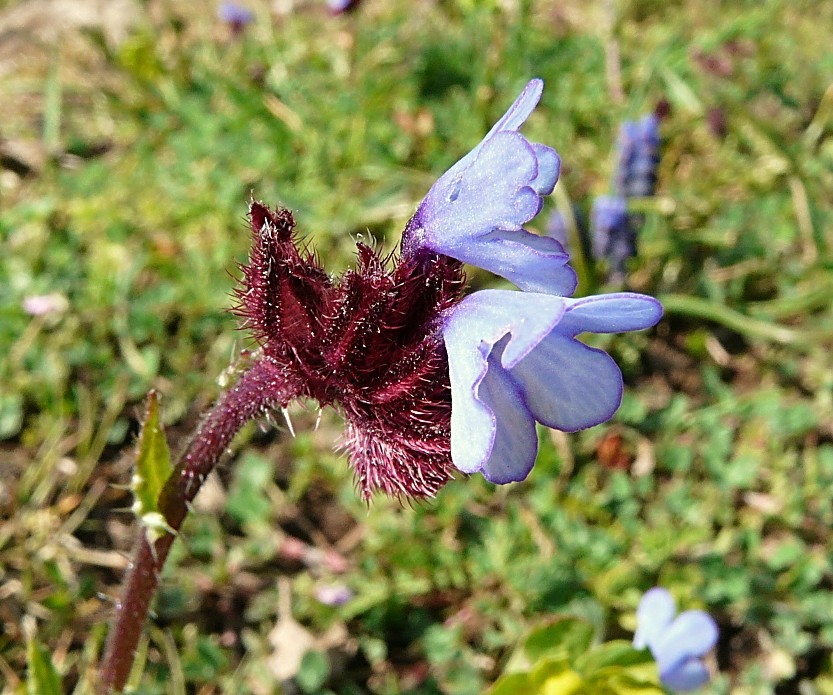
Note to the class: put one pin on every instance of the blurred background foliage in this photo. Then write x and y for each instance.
(132, 135)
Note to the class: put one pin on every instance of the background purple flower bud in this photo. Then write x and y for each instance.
(662, 110)
(716, 118)
(556, 227)
(678, 644)
(639, 145)
(342, 6)
(43, 304)
(613, 235)
(236, 16)
(333, 594)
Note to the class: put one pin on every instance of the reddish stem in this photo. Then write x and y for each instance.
(258, 390)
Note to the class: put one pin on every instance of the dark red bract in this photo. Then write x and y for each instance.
(367, 342)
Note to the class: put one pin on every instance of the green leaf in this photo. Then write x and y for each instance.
(568, 636)
(153, 468)
(11, 414)
(617, 680)
(313, 673)
(616, 653)
(680, 92)
(512, 684)
(552, 677)
(247, 499)
(43, 679)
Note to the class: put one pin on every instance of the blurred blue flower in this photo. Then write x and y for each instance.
(614, 229)
(476, 211)
(638, 144)
(557, 227)
(613, 235)
(236, 16)
(679, 643)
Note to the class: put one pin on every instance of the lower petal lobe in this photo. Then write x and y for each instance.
(686, 676)
(568, 385)
(516, 439)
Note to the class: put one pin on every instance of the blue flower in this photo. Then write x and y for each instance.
(333, 594)
(679, 643)
(476, 211)
(513, 360)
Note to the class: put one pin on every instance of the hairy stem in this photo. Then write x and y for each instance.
(259, 389)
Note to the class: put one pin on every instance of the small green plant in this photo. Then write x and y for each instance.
(428, 380)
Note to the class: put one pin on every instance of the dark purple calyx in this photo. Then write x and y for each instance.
(367, 342)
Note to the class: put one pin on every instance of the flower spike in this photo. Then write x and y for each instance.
(639, 148)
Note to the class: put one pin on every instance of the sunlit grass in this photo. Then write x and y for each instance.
(136, 155)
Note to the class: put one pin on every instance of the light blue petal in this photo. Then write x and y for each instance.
(689, 675)
(521, 109)
(568, 385)
(477, 323)
(515, 443)
(511, 121)
(653, 616)
(476, 211)
(691, 634)
(533, 263)
(479, 218)
(493, 193)
(473, 423)
(611, 313)
(483, 403)
(549, 168)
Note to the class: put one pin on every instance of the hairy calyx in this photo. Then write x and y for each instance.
(367, 342)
